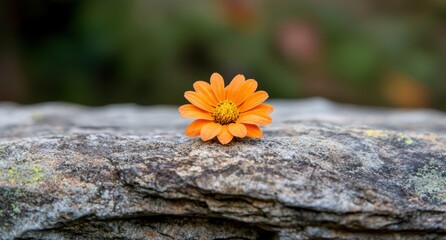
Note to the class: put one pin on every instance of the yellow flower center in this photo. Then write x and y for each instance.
(226, 112)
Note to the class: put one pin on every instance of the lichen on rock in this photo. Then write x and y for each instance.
(430, 182)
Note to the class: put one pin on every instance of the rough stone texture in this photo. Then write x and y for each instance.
(322, 171)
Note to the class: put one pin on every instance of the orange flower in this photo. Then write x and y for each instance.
(226, 112)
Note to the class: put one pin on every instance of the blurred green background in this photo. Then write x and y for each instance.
(371, 52)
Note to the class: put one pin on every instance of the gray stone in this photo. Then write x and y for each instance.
(321, 171)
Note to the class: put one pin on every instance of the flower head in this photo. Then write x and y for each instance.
(226, 112)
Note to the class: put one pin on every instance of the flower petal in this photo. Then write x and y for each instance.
(262, 108)
(257, 118)
(245, 90)
(218, 86)
(237, 129)
(253, 101)
(205, 90)
(191, 111)
(225, 136)
(210, 130)
(194, 128)
(198, 100)
(231, 89)
(253, 131)
(265, 107)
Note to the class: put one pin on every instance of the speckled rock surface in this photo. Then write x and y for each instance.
(321, 171)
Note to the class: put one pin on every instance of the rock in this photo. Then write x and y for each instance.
(321, 171)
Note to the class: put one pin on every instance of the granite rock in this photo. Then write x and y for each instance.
(322, 171)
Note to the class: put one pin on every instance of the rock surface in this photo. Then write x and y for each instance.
(321, 171)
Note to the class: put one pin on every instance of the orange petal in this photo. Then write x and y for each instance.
(262, 108)
(198, 100)
(258, 118)
(218, 86)
(191, 111)
(253, 131)
(210, 130)
(237, 129)
(225, 136)
(205, 89)
(245, 90)
(253, 101)
(231, 89)
(194, 128)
